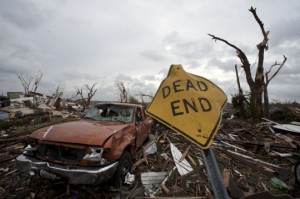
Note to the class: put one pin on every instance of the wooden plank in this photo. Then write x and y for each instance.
(183, 167)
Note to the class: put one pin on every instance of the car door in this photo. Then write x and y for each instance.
(141, 126)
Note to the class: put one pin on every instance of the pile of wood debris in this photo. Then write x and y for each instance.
(252, 158)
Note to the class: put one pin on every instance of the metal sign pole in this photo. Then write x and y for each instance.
(214, 174)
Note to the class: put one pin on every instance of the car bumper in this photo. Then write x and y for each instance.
(86, 175)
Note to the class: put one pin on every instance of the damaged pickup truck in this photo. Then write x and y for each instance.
(95, 149)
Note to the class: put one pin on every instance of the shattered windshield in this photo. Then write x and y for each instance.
(109, 112)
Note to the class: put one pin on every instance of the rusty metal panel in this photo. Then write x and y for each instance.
(77, 132)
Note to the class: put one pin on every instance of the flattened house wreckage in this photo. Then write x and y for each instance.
(256, 160)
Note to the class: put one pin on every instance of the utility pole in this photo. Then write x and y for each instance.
(240, 95)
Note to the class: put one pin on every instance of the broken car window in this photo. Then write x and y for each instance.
(106, 112)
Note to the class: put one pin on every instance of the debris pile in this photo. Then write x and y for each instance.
(252, 157)
(35, 108)
(257, 157)
(174, 169)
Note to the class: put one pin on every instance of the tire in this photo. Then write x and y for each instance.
(123, 168)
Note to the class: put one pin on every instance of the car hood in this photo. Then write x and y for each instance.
(79, 132)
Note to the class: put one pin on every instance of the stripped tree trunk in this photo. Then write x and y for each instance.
(256, 86)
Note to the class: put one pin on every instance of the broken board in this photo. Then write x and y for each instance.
(288, 127)
(183, 167)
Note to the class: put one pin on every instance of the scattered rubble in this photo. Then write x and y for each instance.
(36, 108)
(254, 158)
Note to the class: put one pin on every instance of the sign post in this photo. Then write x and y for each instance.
(214, 174)
(192, 106)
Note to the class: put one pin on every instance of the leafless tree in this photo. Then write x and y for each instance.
(30, 84)
(266, 97)
(86, 100)
(256, 85)
(123, 91)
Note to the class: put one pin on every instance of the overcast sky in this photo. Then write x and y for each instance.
(74, 43)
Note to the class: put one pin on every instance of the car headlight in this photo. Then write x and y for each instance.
(96, 156)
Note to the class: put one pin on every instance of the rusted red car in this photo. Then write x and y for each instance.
(92, 150)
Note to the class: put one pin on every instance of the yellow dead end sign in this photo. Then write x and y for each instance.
(190, 105)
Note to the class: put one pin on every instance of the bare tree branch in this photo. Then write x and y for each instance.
(243, 58)
(260, 23)
(275, 64)
(24, 83)
(266, 96)
(91, 91)
(79, 92)
(262, 46)
(229, 44)
(86, 101)
(37, 80)
(27, 82)
(264, 43)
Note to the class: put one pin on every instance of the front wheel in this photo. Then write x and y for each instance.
(123, 168)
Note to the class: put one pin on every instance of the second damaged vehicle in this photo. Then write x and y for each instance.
(97, 148)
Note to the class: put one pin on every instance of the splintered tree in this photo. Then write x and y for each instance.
(86, 100)
(30, 84)
(256, 85)
(123, 91)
